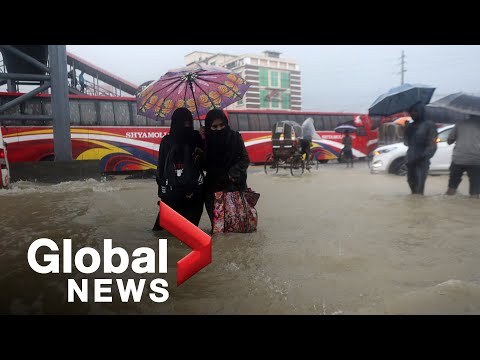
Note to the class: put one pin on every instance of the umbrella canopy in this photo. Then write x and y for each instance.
(198, 87)
(400, 98)
(343, 129)
(460, 102)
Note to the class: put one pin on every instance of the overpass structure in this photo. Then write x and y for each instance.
(46, 69)
(99, 82)
(43, 66)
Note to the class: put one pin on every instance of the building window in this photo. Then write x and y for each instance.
(285, 80)
(274, 78)
(213, 63)
(275, 101)
(264, 103)
(263, 76)
(285, 101)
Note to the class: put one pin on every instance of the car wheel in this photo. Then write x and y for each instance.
(399, 167)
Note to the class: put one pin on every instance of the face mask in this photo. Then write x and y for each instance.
(219, 132)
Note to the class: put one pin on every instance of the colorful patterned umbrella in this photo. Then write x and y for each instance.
(198, 87)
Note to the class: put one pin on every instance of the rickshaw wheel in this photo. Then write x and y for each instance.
(271, 166)
(297, 166)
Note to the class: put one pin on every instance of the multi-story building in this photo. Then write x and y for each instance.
(275, 81)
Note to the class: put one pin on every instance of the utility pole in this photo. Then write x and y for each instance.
(403, 70)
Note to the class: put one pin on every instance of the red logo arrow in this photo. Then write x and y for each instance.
(192, 236)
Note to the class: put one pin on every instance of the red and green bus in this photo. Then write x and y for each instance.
(108, 129)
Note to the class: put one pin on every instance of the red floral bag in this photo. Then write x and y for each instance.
(235, 211)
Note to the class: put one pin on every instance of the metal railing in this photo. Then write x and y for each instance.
(93, 89)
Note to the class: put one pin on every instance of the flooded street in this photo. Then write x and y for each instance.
(334, 241)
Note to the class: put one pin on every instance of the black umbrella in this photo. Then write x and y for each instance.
(460, 102)
(453, 108)
(400, 98)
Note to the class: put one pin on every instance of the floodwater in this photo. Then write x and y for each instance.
(334, 241)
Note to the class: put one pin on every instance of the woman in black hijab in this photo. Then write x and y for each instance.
(190, 206)
(226, 158)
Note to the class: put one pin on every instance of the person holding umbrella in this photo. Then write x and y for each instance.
(421, 139)
(465, 156)
(347, 142)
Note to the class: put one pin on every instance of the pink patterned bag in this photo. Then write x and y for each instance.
(235, 211)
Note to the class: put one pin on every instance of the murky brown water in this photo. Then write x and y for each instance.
(336, 241)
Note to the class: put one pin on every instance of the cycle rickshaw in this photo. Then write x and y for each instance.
(287, 137)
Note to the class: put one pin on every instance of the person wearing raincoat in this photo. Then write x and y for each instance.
(421, 139)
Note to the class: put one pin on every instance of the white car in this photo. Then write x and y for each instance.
(391, 158)
(4, 170)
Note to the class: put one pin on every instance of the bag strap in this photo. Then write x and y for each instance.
(245, 207)
(167, 159)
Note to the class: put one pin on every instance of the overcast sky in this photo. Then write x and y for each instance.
(334, 77)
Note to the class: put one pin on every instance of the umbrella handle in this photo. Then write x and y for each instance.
(195, 101)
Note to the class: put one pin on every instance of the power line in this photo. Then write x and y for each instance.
(403, 70)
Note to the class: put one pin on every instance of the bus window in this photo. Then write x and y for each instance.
(47, 108)
(327, 124)
(138, 120)
(74, 112)
(292, 117)
(122, 116)
(33, 107)
(337, 120)
(243, 122)
(274, 118)
(233, 121)
(299, 118)
(107, 118)
(88, 113)
(318, 122)
(254, 122)
(152, 122)
(264, 124)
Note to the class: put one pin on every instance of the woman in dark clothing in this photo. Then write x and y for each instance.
(226, 158)
(420, 137)
(189, 205)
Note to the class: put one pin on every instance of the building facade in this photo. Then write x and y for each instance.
(275, 81)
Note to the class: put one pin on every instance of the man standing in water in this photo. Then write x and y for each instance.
(466, 155)
(421, 139)
(347, 142)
